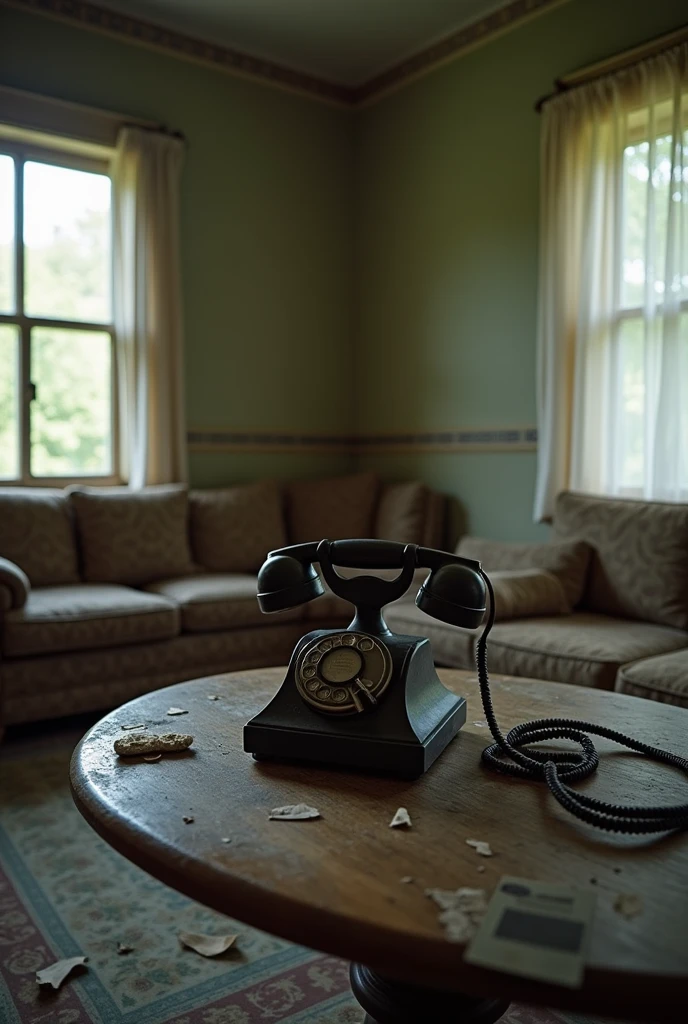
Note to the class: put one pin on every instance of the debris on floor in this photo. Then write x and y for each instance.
(226, 839)
(141, 726)
(481, 848)
(150, 743)
(177, 711)
(213, 696)
(406, 879)
(188, 820)
(206, 945)
(152, 757)
(56, 973)
(628, 904)
(294, 812)
(401, 818)
(123, 949)
(461, 911)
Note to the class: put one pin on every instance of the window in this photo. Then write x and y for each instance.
(57, 352)
(655, 183)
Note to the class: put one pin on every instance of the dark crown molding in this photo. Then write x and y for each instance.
(145, 33)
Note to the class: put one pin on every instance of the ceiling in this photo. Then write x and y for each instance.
(342, 41)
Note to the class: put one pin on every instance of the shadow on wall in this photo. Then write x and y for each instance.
(457, 522)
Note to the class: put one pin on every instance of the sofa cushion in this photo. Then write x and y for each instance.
(639, 566)
(37, 534)
(222, 601)
(401, 512)
(233, 528)
(132, 537)
(664, 678)
(567, 560)
(82, 616)
(584, 648)
(524, 593)
(335, 508)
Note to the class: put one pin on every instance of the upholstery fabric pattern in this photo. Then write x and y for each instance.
(335, 508)
(584, 649)
(64, 684)
(523, 593)
(232, 529)
(82, 616)
(664, 679)
(401, 512)
(37, 534)
(213, 602)
(133, 537)
(15, 581)
(567, 560)
(639, 566)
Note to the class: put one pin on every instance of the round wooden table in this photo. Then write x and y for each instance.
(335, 884)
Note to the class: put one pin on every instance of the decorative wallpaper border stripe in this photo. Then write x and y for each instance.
(499, 439)
(145, 33)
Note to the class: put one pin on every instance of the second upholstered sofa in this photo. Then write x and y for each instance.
(106, 593)
(613, 613)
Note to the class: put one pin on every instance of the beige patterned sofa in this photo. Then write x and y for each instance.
(107, 593)
(618, 620)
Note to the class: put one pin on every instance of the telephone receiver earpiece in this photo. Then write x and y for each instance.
(454, 591)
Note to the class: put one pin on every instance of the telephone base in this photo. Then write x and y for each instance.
(414, 722)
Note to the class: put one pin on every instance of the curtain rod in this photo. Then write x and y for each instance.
(615, 63)
(47, 113)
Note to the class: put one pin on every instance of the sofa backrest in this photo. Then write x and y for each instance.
(639, 565)
(37, 534)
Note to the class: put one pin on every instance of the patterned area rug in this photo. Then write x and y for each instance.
(64, 892)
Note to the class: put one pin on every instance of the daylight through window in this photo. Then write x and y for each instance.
(57, 354)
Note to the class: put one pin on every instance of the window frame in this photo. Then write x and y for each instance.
(21, 152)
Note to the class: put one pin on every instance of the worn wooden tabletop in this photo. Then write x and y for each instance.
(335, 883)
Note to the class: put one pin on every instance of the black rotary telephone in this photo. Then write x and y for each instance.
(367, 698)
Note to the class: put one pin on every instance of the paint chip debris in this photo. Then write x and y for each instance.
(123, 949)
(206, 945)
(481, 848)
(150, 743)
(56, 973)
(188, 820)
(127, 727)
(294, 812)
(177, 711)
(628, 904)
(402, 819)
(461, 911)
(406, 880)
(226, 839)
(213, 696)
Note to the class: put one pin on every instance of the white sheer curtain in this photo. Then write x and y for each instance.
(147, 306)
(613, 287)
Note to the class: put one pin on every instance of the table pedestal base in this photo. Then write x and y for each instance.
(392, 1002)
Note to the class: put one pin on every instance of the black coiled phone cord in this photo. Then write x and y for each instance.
(511, 755)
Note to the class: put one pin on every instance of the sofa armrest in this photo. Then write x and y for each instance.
(14, 585)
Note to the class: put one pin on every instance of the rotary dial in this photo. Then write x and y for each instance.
(343, 673)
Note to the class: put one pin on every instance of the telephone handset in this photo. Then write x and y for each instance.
(365, 697)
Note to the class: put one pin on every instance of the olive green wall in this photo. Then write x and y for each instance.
(266, 231)
(447, 205)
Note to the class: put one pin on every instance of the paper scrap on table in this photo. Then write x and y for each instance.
(56, 973)
(461, 911)
(401, 818)
(628, 904)
(177, 711)
(294, 812)
(142, 726)
(481, 848)
(150, 743)
(206, 945)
